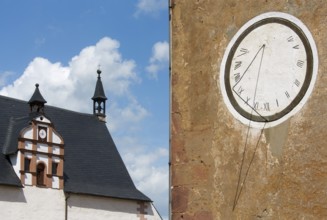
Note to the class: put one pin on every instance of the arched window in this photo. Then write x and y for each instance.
(40, 174)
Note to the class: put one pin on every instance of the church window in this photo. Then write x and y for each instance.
(27, 163)
(54, 168)
(40, 174)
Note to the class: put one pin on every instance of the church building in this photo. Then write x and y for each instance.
(60, 164)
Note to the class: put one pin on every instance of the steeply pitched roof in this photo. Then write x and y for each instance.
(92, 163)
(37, 97)
(14, 128)
(7, 173)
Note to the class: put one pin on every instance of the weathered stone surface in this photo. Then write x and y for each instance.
(287, 178)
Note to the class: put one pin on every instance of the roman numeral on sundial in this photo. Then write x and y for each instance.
(237, 64)
(297, 82)
(243, 52)
(240, 90)
(237, 77)
(266, 106)
(296, 47)
(290, 39)
(300, 63)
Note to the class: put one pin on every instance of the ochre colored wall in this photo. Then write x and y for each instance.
(287, 178)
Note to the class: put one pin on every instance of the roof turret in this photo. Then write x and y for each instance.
(99, 91)
(99, 99)
(37, 101)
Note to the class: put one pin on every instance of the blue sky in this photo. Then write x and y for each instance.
(59, 44)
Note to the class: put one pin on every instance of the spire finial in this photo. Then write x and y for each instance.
(37, 85)
(99, 70)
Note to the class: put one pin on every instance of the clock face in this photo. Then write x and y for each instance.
(268, 69)
(42, 133)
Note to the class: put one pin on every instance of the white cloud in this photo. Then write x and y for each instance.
(75, 83)
(125, 117)
(148, 166)
(72, 87)
(159, 59)
(4, 77)
(152, 7)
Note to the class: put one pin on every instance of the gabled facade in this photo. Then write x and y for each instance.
(39, 160)
(60, 164)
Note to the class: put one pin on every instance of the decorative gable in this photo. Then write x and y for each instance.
(40, 157)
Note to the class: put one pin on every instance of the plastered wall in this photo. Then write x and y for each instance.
(37, 203)
(285, 176)
(31, 203)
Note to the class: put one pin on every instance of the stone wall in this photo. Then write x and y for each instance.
(285, 176)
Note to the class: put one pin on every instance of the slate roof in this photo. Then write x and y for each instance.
(92, 164)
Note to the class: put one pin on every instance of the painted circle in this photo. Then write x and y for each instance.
(268, 69)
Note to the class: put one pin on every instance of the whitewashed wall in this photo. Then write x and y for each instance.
(83, 207)
(41, 203)
(31, 203)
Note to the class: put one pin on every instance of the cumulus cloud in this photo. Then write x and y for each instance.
(149, 169)
(4, 77)
(75, 83)
(151, 7)
(159, 59)
(130, 114)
